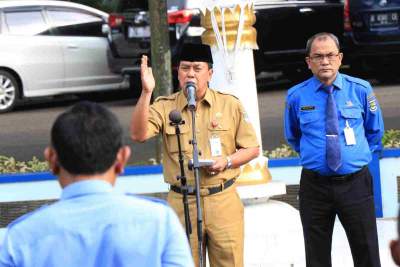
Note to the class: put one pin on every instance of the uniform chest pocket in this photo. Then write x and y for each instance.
(308, 117)
(309, 122)
(352, 117)
(220, 128)
(172, 140)
(351, 113)
(223, 132)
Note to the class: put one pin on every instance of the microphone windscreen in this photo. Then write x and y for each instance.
(191, 95)
(175, 116)
(188, 84)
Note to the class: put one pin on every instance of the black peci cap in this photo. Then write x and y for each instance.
(196, 52)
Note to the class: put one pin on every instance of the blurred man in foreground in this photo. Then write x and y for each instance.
(93, 225)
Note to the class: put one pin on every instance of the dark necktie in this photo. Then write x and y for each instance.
(333, 156)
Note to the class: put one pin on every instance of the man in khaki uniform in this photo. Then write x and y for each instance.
(223, 134)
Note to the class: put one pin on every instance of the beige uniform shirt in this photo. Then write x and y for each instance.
(218, 115)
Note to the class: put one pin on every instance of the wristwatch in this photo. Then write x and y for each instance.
(229, 163)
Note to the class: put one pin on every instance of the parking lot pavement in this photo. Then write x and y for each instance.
(274, 238)
(341, 255)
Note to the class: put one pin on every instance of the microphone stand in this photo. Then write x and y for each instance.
(196, 167)
(182, 178)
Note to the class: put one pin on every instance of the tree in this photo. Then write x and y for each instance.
(160, 54)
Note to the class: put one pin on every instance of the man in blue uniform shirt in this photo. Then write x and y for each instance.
(334, 122)
(92, 225)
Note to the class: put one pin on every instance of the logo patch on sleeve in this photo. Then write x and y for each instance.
(372, 104)
(246, 117)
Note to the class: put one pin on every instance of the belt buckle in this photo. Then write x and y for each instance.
(340, 178)
(191, 190)
(204, 192)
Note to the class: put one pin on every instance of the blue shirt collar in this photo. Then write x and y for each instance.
(338, 82)
(92, 186)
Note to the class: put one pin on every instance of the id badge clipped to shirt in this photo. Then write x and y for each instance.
(215, 144)
(349, 135)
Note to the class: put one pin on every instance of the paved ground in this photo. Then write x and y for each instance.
(274, 238)
(386, 232)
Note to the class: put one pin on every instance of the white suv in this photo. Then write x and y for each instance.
(52, 48)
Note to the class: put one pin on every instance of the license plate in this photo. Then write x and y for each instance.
(139, 32)
(384, 19)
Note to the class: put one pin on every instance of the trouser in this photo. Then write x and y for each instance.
(349, 197)
(223, 226)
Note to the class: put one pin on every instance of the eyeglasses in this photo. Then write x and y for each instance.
(317, 58)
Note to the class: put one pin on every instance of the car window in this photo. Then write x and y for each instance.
(176, 4)
(25, 22)
(133, 5)
(67, 22)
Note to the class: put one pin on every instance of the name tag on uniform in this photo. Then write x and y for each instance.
(349, 135)
(216, 148)
(305, 108)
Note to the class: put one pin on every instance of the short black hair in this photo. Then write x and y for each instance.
(86, 138)
(318, 36)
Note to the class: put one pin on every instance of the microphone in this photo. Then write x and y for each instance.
(191, 95)
(175, 117)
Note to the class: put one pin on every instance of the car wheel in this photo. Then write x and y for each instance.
(9, 91)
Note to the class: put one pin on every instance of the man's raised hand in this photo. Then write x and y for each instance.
(146, 74)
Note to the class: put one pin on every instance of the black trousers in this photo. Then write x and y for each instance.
(351, 199)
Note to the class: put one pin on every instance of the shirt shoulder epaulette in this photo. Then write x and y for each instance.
(27, 215)
(226, 94)
(166, 97)
(149, 198)
(297, 87)
(358, 81)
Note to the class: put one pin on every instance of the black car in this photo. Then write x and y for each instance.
(130, 30)
(372, 34)
(283, 28)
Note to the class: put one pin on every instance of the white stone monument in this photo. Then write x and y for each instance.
(229, 32)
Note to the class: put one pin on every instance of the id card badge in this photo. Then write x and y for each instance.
(216, 148)
(349, 135)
